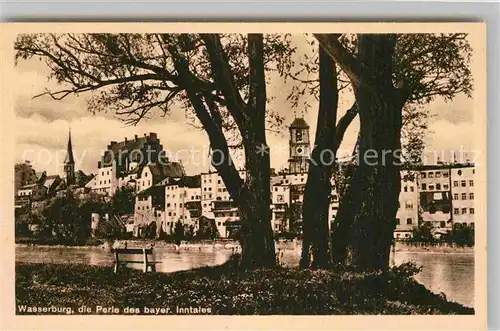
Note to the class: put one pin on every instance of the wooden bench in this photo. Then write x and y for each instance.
(134, 251)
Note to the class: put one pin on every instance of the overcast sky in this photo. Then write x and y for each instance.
(44, 123)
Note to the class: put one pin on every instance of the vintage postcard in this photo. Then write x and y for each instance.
(243, 175)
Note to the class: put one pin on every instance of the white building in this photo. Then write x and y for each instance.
(407, 214)
(217, 204)
(462, 190)
(121, 161)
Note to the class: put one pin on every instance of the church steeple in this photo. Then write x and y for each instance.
(69, 163)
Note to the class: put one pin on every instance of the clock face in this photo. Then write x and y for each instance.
(300, 150)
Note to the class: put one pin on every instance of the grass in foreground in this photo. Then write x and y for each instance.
(225, 290)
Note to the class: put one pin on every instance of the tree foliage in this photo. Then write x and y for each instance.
(123, 201)
(388, 72)
(219, 79)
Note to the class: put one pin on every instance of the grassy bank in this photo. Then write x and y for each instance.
(225, 290)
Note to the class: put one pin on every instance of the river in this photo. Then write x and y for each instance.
(450, 273)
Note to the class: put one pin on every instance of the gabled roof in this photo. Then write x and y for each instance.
(163, 171)
(62, 186)
(151, 190)
(28, 186)
(187, 181)
(299, 123)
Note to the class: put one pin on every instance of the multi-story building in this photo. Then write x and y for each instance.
(151, 199)
(121, 161)
(24, 174)
(462, 190)
(182, 203)
(435, 198)
(446, 194)
(217, 204)
(407, 214)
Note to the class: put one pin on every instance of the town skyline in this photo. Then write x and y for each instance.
(47, 121)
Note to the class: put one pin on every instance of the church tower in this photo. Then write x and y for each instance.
(300, 147)
(69, 163)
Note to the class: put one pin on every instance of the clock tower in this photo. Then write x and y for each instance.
(300, 147)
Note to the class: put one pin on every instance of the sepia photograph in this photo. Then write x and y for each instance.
(235, 170)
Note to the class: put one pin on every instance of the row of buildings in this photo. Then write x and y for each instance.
(441, 195)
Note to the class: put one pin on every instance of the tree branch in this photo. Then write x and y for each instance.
(223, 76)
(344, 123)
(338, 53)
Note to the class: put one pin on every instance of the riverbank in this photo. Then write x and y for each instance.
(226, 290)
(233, 245)
(418, 247)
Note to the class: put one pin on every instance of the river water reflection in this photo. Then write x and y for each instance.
(450, 273)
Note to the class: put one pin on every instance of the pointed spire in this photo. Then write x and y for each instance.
(69, 153)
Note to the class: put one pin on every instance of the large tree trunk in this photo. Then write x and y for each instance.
(253, 195)
(318, 188)
(257, 237)
(376, 183)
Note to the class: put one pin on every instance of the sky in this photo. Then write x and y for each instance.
(44, 125)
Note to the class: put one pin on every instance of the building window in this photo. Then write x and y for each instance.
(424, 187)
(471, 211)
(168, 204)
(431, 187)
(438, 186)
(431, 175)
(471, 196)
(445, 174)
(455, 196)
(446, 187)
(438, 174)
(455, 183)
(456, 211)
(464, 196)
(397, 221)
(459, 172)
(443, 224)
(464, 183)
(409, 204)
(335, 197)
(471, 183)
(412, 189)
(218, 223)
(409, 221)
(423, 175)
(210, 189)
(464, 210)
(205, 189)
